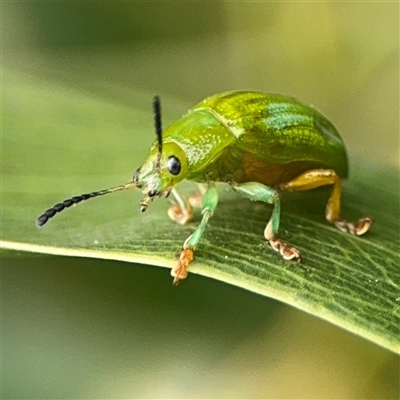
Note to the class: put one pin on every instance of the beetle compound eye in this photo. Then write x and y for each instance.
(173, 165)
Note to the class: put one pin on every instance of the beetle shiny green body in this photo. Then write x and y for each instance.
(253, 136)
(255, 142)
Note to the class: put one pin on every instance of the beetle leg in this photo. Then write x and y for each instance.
(321, 177)
(210, 201)
(258, 192)
(195, 198)
(181, 211)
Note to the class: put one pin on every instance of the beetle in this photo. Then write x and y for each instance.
(256, 142)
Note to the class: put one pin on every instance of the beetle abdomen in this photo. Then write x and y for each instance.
(272, 174)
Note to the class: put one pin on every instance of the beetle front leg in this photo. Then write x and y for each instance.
(210, 201)
(195, 198)
(181, 211)
(258, 192)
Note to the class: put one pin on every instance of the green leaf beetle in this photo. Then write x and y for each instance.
(258, 143)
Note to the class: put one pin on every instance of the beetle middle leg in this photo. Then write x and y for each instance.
(322, 177)
(258, 192)
(209, 203)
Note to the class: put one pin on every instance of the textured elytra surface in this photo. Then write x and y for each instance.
(264, 131)
(352, 282)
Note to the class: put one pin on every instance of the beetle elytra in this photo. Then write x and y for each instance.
(258, 143)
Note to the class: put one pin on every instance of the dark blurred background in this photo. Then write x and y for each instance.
(76, 328)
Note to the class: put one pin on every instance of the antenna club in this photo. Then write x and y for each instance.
(51, 212)
(158, 127)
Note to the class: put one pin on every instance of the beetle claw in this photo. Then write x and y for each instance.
(357, 228)
(286, 251)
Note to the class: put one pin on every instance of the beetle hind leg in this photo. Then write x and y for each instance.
(258, 192)
(322, 177)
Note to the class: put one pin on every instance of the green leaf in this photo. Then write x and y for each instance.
(58, 142)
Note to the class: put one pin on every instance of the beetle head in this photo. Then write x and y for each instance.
(158, 175)
(164, 166)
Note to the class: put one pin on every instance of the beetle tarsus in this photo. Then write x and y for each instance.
(357, 228)
(287, 252)
(180, 272)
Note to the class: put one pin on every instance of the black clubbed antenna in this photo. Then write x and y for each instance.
(158, 126)
(51, 212)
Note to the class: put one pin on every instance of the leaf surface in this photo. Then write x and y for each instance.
(58, 142)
